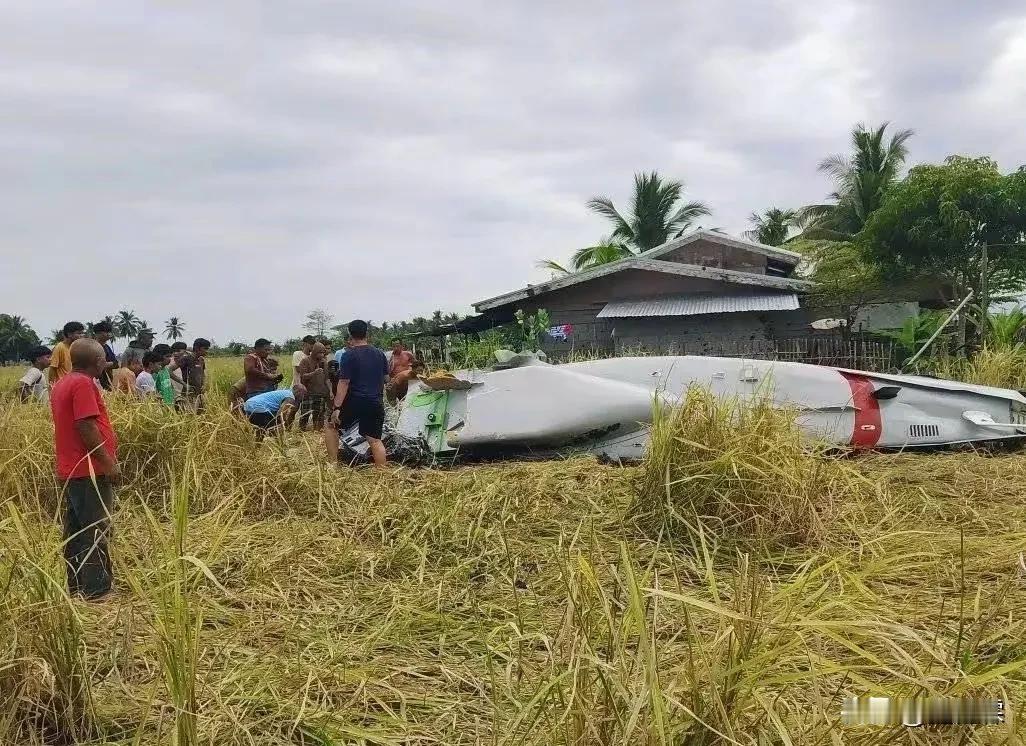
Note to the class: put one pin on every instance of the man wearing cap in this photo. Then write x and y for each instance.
(138, 347)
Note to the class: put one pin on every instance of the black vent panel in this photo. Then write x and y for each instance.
(920, 431)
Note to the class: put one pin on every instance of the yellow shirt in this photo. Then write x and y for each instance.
(60, 362)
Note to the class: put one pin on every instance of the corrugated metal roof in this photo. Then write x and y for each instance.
(692, 305)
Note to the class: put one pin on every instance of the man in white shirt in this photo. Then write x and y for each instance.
(34, 384)
(145, 383)
(301, 354)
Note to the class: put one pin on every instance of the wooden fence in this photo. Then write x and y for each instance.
(855, 351)
(861, 351)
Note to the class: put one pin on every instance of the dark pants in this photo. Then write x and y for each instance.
(311, 411)
(87, 528)
(266, 424)
(368, 413)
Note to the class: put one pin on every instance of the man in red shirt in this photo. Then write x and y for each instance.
(86, 450)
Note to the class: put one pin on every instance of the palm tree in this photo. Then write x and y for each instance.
(861, 181)
(773, 227)
(108, 319)
(127, 324)
(174, 328)
(56, 336)
(656, 215)
(16, 338)
(605, 251)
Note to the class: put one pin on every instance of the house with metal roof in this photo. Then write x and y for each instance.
(692, 293)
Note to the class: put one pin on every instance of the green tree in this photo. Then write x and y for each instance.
(960, 224)
(1004, 330)
(656, 215)
(174, 328)
(861, 182)
(773, 227)
(127, 324)
(845, 279)
(17, 338)
(916, 331)
(56, 336)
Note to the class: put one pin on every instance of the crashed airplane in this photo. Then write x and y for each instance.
(604, 407)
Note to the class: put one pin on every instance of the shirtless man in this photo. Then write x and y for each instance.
(402, 359)
(259, 377)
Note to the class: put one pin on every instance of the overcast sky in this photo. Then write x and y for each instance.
(239, 163)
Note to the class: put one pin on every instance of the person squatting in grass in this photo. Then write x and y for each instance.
(273, 411)
(33, 385)
(86, 462)
(237, 397)
(359, 395)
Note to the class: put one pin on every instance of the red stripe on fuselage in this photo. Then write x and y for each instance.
(868, 429)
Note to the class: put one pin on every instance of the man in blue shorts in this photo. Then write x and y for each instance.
(359, 395)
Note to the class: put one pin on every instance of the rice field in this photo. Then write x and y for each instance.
(733, 589)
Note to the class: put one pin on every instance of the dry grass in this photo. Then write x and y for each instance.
(1004, 367)
(745, 470)
(267, 599)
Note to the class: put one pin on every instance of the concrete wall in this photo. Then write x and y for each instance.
(879, 316)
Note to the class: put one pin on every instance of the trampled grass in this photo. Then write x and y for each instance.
(264, 598)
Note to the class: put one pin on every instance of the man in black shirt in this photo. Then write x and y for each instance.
(359, 395)
(103, 331)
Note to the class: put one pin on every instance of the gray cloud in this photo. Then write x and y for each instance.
(237, 163)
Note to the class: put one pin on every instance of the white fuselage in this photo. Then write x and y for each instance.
(605, 406)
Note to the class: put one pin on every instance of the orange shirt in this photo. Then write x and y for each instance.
(123, 382)
(60, 362)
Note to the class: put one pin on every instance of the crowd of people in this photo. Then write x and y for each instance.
(333, 393)
(172, 373)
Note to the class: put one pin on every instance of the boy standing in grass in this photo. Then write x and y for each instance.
(146, 381)
(193, 368)
(301, 354)
(178, 351)
(34, 383)
(86, 451)
(103, 332)
(60, 360)
(162, 378)
(313, 373)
